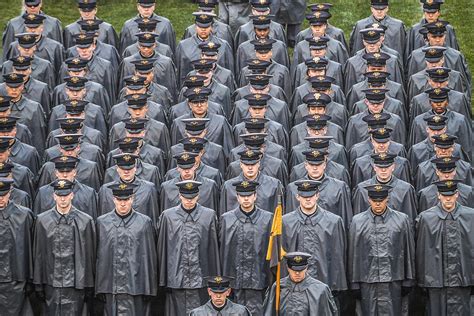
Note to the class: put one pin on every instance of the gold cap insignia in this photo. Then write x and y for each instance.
(317, 96)
(306, 185)
(383, 156)
(376, 74)
(378, 188)
(64, 158)
(371, 33)
(127, 158)
(185, 157)
(377, 116)
(449, 184)
(377, 55)
(61, 184)
(297, 259)
(315, 153)
(122, 186)
(447, 159)
(193, 140)
(437, 119)
(197, 90)
(147, 36)
(439, 71)
(189, 185)
(211, 44)
(245, 184)
(444, 136)
(218, 279)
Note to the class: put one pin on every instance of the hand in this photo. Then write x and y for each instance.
(101, 297)
(357, 294)
(40, 295)
(406, 290)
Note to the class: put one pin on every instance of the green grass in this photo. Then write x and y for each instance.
(459, 13)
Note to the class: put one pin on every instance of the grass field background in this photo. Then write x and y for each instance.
(460, 13)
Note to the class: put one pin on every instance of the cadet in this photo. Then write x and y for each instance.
(88, 12)
(364, 167)
(318, 21)
(219, 290)
(376, 79)
(34, 90)
(126, 269)
(247, 32)
(16, 227)
(188, 49)
(431, 13)
(89, 90)
(443, 255)
(99, 69)
(195, 242)
(218, 129)
(331, 30)
(268, 189)
(402, 194)
(64, 255)
(244, 235)
(41, 69)
(145, 193)
(188, 170)
(247, 50)
(443, 163)
(385, 235)
(46, 48)
(336, 152)
(424, 150)
(372, 58)
(301, 294)
(146, 152)
(395, 35)
(334, 194)
(22, 176)
(379, 142)
(313, 126)
(312, 229)
(321, 104)
(51, 29)
(457, 124)
(146, 10)
(219, 28)
(75, 125)
(18, 152)
(84, 198)
(257, 123)
(29, 112)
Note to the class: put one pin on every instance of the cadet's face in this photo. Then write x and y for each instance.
(257, 112)
(139, 91)
(308, 203)
(436, 40)
(250, 171)
(14, 92)
(432, 132)
(384, 173)
(123, 207)
(187, 174)
(373, 47)
(11, 133)
(374, 107)
(218, 299)
(26, 52)
(147, 51)
(436, 84)
(315, 72)
(265, 55)
(209, 57)
(440, 63)
(63, 201)
(431, 17)
(73, 153)
(145, 12)
(247, 202)
(35, 30)
(26, 72)
(316, 110)
(88, 15)
(33, 9)
(75, 94)
(4, 155)
(318, 30)
(378, 207)
(443, 152)
(86, 53)
(318, 52)
(66, 175)
(80, 73)
(448, 201)
(188, 203)
(199, 108)
(442, 176)
(317, 132)
(297, 276)
(380, 147)
(379, 14)
(203, 32)
(127, 174)
(138, 113)
(4, 200)
(439, 107)
(262, 33)
(315, 171)
(257, 13)
(207, 74)
(371, 68)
